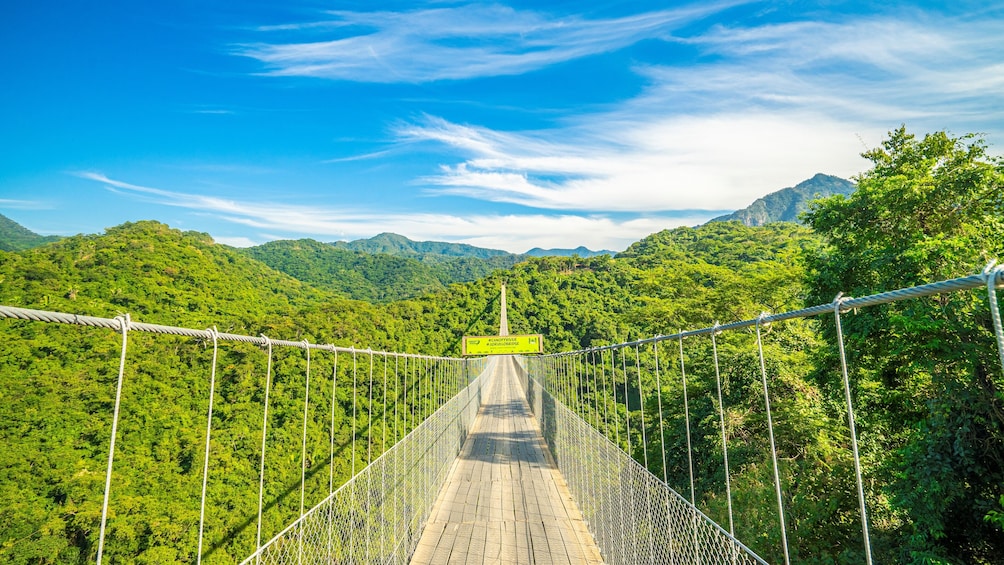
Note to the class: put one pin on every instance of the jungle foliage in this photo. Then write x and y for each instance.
(380, 276)
(926, 383)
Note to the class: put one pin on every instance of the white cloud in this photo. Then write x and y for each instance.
(512, 232)
(769, 106)
(672, 163)
(238, 241)
(932, 71)
(15, 204)
(456, 42)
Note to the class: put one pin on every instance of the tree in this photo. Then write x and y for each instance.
(929, 388)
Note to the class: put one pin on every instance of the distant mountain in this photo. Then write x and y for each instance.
(786, 204)
(15, 237)
(431, 251)
(389, 266)
(373, 277)
(578, 251)
(394, 244)
(377, 277)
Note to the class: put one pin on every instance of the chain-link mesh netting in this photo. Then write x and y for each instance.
(634, 516)
(378, 515)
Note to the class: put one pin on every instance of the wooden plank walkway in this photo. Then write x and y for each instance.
(505, 502)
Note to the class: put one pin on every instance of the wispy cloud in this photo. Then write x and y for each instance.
(361, 157)
(672, 163)
(915, 67)
(457, 42)
(238, 241)
(15, 204)
(513, 232)
(766, 108)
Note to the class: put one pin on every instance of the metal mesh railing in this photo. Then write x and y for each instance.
(378, 515)
(599, 406)
(633, 515)
(291, 434)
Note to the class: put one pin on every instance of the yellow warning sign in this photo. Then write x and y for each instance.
(503, 345)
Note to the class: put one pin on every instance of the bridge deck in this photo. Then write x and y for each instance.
(505, 502)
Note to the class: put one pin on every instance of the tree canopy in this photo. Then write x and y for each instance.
(930, 388)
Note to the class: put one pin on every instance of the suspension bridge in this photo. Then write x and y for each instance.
(506, 459)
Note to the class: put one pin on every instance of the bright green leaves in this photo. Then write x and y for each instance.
(929, 387)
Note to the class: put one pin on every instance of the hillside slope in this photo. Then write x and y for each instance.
(154, 272)
(580, 251)
(786, 204)
(393, 273)
(15, 237)
(373, 277)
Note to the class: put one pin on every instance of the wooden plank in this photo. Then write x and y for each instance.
(504, 501)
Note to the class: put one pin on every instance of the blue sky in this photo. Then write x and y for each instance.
(505, 125)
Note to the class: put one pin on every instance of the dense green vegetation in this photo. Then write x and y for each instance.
(927, 386)
(58, 384)
(353, 274)
(384, 275)
(927, 374)
(15, 237)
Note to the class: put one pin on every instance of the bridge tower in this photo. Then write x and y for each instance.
(503, 317)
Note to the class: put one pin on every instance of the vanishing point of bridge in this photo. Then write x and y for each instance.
(506, 459)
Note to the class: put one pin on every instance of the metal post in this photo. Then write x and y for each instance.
(662, 431)
(331, 458)
(690, 450)
(662, 448)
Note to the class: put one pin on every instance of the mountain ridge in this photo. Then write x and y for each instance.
(396, 244)
(787, 204)
(580, 251)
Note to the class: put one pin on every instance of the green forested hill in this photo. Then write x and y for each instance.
(581, 251)
(15, 237)
(154, 273)
(394, 244)
(926, 380)
(377, 274)
(374, 277)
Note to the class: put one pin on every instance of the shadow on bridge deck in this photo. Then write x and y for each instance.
(505, 501)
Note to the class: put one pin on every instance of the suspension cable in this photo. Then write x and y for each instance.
(124, 326)
(850, 424)
(773, 448)
(721, 420)
(264, 434)
(205, 464)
